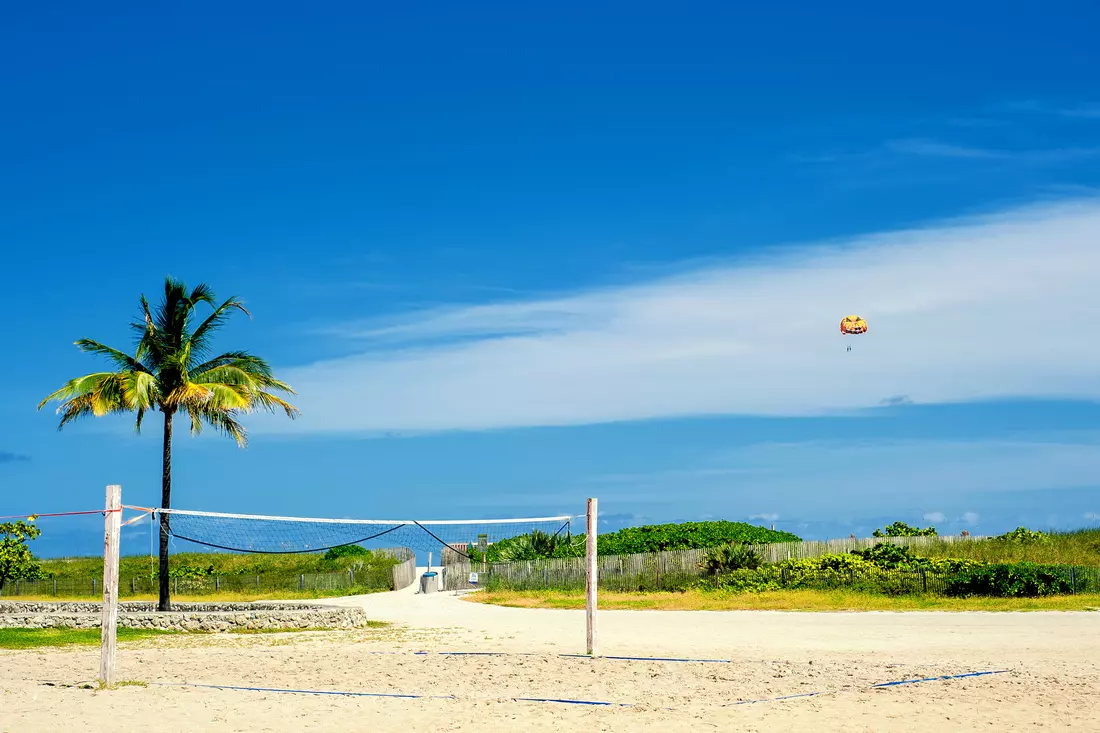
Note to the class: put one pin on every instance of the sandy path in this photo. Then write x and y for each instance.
(1053, 678)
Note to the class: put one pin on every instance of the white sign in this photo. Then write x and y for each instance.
(473, 578)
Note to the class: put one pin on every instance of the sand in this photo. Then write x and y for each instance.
(1050, 678)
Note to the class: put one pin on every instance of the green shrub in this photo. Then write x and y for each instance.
(1014, 580)
(901, 529)
(743, 581)
(335, 553)
(1023, 535)
(687, 536)
(16, 560)
(887, 555)
(634, 540)
(731, 556)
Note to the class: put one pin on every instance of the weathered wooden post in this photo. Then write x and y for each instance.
(109, 622)
(591, 577)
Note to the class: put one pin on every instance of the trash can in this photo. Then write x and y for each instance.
(429, 582)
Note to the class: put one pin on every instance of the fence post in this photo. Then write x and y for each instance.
(175, 586)
(1073, 578)
(217, 583)
(133, 587)
(55, 586)
(923, 581)
(301, 582)
(93, 586)
(257, 582)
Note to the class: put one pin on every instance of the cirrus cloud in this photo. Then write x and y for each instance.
(976, 309)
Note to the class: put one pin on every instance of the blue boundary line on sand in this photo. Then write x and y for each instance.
(407, 696)
(879, 685)
(566, 656)
(563, 701)
(937, 679)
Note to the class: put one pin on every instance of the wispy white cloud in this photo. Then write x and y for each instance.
(935, 517)
(996, 306)
(938, 149)
(1087, 111)
(971, 518)
(1092, 516)
(766, 517)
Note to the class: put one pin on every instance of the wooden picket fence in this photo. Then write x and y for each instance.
(648, 571)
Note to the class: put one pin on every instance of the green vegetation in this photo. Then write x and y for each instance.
(890, 570)
(783, 600)
(884, 569)
(240, 630)
(725, 558)
(224, 576)
(16, 560)
(202, 564)
(901, 529)
(173, 371)
(1023, 535)
(1080, 547)
(686, 536)
(31, 638)
(633, 540)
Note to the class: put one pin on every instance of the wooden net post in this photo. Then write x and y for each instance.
(591, 577)
(112, 523)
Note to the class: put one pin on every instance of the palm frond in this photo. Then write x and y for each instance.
(118, 358)
(151, 345)
(201, 294)
(225, 423)
(240, 359)
(78, 387)
(140, 390)
(93, 394)
(271, 403)
(199, 341)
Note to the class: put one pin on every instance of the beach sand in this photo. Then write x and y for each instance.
(1050, 678)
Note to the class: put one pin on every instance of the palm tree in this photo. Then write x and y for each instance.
(172, 371)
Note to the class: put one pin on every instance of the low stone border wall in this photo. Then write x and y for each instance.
(184, 616)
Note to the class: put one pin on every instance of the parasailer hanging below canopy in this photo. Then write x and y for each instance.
(852, 326)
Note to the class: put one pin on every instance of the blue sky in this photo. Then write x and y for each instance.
(513, 257)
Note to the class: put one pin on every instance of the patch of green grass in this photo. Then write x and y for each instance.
(224, 564)
(785, 600)
(1079, 547)
(223, 596)
(122, 683)
(292, 630)
(31, 638)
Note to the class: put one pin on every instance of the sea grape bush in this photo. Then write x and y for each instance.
(889, 569)
(901, 529)
(1022, 579)
(16, 560)
(687, 536)
(638, 540)
(1023, 535)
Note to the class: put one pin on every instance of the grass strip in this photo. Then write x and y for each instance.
(787, 600)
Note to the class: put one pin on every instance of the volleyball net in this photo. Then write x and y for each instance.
(265, 534)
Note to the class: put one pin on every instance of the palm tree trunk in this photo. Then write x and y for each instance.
(165, 503)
